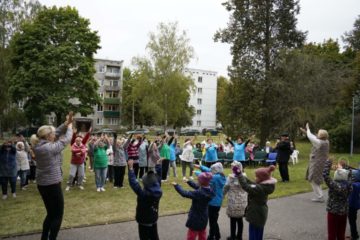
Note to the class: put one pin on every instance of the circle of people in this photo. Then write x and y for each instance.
(150, 162)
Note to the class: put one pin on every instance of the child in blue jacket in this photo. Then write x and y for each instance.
(198, 214)
(148, 199)
(354, 204)
(217, 184)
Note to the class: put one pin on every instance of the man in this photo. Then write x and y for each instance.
(283, 155)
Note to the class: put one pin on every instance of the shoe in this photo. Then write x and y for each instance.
(34, 181)
(164, 180)
(81, 187)
(84, 180)
(184, 179)
(67, 188)
(4, 197)
(191, 178)
(115, 187)
(102, 189)
(320, 200)
(98, 189)
(24, 188)
(14, 195)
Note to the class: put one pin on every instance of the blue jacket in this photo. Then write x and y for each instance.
(147, 208)
(354, 198)
(217, 184)
(172, 152)
(211, 153)
(8, 166)
(198, 214)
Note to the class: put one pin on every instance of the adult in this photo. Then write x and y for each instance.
(187, 158)
(211, 153)
(239, 148)
(48, 151)
(318, 156)
(283, 155)
(165, 155)
(8, 168)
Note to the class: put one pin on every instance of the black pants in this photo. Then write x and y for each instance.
(284, 171)
(352, 223)
(214, 231)
(240, 226)
(32, 173)
(110, 173)
(53, 199)
(4, 184)
(148, 233)
(164, 169)
(119, 172)
(143, 170)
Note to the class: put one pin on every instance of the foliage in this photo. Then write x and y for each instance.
(221, 97)
(352, 38)
(53, 64)
(13, 119)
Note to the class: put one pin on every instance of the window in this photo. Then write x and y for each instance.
(100, 108)
(101, 82)
(111, 108)
(199, 101)
(198, 112)
(200, 79)
(200, 90)
(101, 69)
(99, 121)
(113, 69)
(111, 94)
(101, 95)
(114, 83)
(113, 121)
(198, 123)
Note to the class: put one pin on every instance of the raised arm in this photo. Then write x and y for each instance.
(249, 186)
(329, 182)
(60, 144)
(229, 141)
(183, 193)
(134, 184)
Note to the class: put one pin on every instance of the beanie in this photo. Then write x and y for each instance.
(341, 175)
(264, 173)
(217, 168)
(204, 178)
(236, 167)
(149, 179)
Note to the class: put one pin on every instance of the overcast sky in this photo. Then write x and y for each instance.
(123, 25)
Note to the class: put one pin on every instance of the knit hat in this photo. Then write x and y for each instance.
(217, 168)
(341, 175)
(264, 173)
(236, 167)
(149, 179)
(204, 178)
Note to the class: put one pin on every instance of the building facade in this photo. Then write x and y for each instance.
(204, 98)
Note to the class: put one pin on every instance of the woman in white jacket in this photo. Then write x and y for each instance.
(187, 158)
(22, 163)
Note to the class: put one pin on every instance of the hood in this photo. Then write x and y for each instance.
(207, 192)
(269, 185)
(154, 189)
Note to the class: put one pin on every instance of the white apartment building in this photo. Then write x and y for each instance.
(204, 98)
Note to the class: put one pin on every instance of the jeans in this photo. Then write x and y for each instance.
(79, 169)
(119, 172)
(164, 168)
(240, 225)
(183, 167)
(54, 203)
(336, 226)
(4, 184)
(173, 166)
(214, 231)
(23, 175)
(148, 232)
(255, 233)
(352, 223)
(100, 177)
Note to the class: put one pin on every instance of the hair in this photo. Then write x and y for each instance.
(240, 137)
(20, 145)
(323, 134)
(42, 133)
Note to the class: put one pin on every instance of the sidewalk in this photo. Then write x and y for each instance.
(290, 218)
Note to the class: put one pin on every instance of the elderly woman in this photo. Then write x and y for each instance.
(318, 156)
(48, 146)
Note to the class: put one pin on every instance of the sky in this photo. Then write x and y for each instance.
(124, 25)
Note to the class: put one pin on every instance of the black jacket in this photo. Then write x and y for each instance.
(283, 151)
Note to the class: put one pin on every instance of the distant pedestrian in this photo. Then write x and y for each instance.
(187, 158)
(8, 168)
(284, 151)
(22, 163)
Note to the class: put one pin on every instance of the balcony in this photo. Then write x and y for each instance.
(111, 100)
(112, 88)
(111, 114)
(113, 75)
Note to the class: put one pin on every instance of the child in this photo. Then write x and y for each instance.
(217, 185)
(198, 214)
(78, 151)
(354, 204)
(258, 192)
(22, 163)
(148, 200)
(338, 203)
(237, 202)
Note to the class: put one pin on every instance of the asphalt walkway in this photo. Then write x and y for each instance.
(290, 218)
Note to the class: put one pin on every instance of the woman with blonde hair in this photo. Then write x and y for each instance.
(318, 156)
(48, 146)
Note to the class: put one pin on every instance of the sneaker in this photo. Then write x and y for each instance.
(14, 195)
(67, 188)
(98, 189)
(191, 178)
(24, 188)
(320, 200)
(34, 181)
(4, 197)
(84, 180)
(184, 179)
(115, 187)
(81, 187)
(102, 189)
(164, 180)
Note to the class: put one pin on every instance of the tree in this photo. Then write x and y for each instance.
(221, 100)
(257, 31)
(53, 65)
(162, 88)
(352, 38)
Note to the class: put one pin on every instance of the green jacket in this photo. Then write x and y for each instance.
(257, 210)
(165, 151)
(100, 157)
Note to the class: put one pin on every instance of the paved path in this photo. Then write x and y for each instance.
(290, 218)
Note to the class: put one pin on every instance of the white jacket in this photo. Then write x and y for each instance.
(22, 160)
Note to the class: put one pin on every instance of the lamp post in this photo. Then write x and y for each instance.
(352, 127)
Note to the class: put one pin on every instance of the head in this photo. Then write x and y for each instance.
(204, 179)
(20, 146)
(284, 136)
(78, 140)
(149, 179)
(209, 141)
(341, 175)
(119, 142)
(217, 168)
(45, 132)
(101, 144)
(235, 165)
(268, 144)
(322, 134)
(263, 174)
(240, 140)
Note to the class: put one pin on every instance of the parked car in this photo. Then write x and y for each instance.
(108, 131)
(138, 131)
(171, 132)
(190, 132)
(212, 131)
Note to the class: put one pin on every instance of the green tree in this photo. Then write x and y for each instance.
(53, 64)
(352, 38)
(221, 100)
(257, 31)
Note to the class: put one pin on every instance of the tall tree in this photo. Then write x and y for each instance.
(221, 100)
(257, 31)
(352, 38)
(53, 64)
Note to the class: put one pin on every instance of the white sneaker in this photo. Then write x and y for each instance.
(14, 195)
(115, 187)
(191, 178)
(320, 200)
(4, 197)
(67, 188)
(81, 187)
(184, 179)
(102, 189)
(98, 189)
(84, 180)
(24, 188)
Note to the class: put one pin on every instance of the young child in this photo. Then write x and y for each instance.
(338, 201)
(258, 192)
(22, 163)
(148, 200)
(198, 214)
(354, 204)
(237, 202)
(217, 185)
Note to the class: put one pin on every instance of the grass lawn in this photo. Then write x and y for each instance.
(88, 207)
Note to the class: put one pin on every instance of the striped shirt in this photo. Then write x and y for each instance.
(48, 157)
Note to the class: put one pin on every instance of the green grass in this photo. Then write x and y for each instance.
(82, 208)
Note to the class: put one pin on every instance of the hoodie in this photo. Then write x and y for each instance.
(217, 183)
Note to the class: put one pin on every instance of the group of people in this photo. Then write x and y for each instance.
(150, 162)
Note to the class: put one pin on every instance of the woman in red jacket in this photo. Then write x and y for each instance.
(78, 152)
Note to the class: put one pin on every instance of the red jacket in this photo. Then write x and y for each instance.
(133, 150)
(78, 153)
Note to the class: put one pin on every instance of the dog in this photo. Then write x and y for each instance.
(295, 156)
